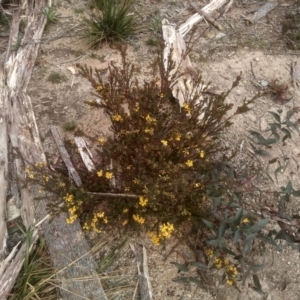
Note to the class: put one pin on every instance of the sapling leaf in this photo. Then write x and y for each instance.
(237, 236)
(257, 135)
(222, 229)
(209, 224)
(187, 280)
(267, 239)
(257, 267)
(236, 219)
(272, 161)
(262, 152)
(251, 236)
(214, 243)
(247, 246)
(288, 189)
(276, 116)
(200, 265)
(282, 235)
(257, 285)
(181, 267)
(259, 225)
(287, 134)
(267, 142)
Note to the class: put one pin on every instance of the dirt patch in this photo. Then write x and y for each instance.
(261, 52)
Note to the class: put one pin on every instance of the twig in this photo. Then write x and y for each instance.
(207, 17)
(114, 195)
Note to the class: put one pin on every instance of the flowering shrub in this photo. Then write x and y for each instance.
(162, 155)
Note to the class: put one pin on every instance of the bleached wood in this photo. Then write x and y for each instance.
(175, 49)
(143, 274)
(65, 156)
(85, 153)
(195, 18)
(3, 162)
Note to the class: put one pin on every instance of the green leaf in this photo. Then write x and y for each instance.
(267, 239)
(222, 229)
(282, 235)
(276, 116)
(236, 219)
(200, 265)
(181, 267)
(272, 161)
(257, 135)
(247, 246)
(257, 267)
(251, 236)
(214, 243)
(267, 142)
(288, 189)
(262, 152)
(209, 224)
(257, 285)
(287, 134)
(237, 236)
(228, 251)
(259, 225)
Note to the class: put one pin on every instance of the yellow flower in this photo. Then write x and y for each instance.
(46, 178)
(100, 173)
(27, 170)
(164, 142)
(61, 184)
(108, 175)
(31, 175)
(149, 130)
(186, 107)
(229, 281)
(69, 198)
(178, 137)
(125, 210)
(99, 88)
(86, 226)
(125, 222)
(105, 220)
(149, 119)
(138, 219)
(101, 141)
(196, 185)
(72, 210)
(186, 152)
(161, 95)
(218, 262)
(100, 214)
(126, 189)
(202, 153)
(143, 201)
(209, 252)
(71, 219)
(166, 230)
(117, 118)
(245, 221)
(189, 163)
(154, 238)
(231, 270)
(136, 181)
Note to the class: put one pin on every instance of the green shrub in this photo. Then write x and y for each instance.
(116, 22)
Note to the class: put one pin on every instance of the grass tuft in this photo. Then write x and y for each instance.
(116, 22)
(56, 77)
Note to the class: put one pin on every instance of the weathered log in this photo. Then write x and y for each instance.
(68, 249)
(175, 49)
(143, 273)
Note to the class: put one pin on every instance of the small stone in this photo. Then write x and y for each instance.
(256, 59)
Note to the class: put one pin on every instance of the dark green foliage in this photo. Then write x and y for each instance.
(116, 22)
(160, 151)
